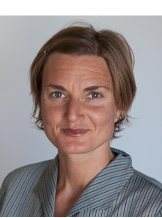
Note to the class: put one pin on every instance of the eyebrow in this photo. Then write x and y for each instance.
(91, 88)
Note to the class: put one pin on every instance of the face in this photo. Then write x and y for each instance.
(77, 103)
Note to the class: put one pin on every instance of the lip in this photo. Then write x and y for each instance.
(75, 132)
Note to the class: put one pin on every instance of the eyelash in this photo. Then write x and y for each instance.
(57, 92)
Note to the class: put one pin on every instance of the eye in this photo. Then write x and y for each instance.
(58, 95)
(94, 95)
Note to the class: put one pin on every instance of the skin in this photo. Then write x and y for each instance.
(77, 94)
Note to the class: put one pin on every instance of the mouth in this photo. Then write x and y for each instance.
(75, 132)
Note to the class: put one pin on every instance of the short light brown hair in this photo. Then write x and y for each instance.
(85, 40)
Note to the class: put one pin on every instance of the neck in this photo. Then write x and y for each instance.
(76, 171)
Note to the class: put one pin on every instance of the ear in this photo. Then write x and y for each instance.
(118, 114)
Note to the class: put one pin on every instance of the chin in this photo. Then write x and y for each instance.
(74, 148)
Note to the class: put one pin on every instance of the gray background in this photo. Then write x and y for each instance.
(20, 39)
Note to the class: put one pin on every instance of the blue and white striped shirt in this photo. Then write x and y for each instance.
(118, 190)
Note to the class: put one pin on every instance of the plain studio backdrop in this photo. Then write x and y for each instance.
(20, 39)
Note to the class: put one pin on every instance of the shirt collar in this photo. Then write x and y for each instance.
(100, 193)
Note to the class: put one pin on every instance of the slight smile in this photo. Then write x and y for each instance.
(75, 132)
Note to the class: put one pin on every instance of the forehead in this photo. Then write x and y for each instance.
(82, 68)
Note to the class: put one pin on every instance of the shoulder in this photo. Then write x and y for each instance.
(20, 188)
(28, 170)
(151, 181)
(145, 188)
(145, 195)
(26, 176)
(140, 196)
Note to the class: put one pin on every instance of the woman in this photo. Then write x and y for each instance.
(83, 86)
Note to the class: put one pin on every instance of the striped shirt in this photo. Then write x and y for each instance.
(118, 190)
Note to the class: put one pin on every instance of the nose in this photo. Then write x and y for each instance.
(74, 111)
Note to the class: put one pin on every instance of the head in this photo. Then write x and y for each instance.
(77, 58)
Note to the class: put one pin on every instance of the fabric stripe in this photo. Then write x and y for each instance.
(118, 190)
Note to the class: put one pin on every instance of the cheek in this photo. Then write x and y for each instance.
(50, 115)
(104, 117)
